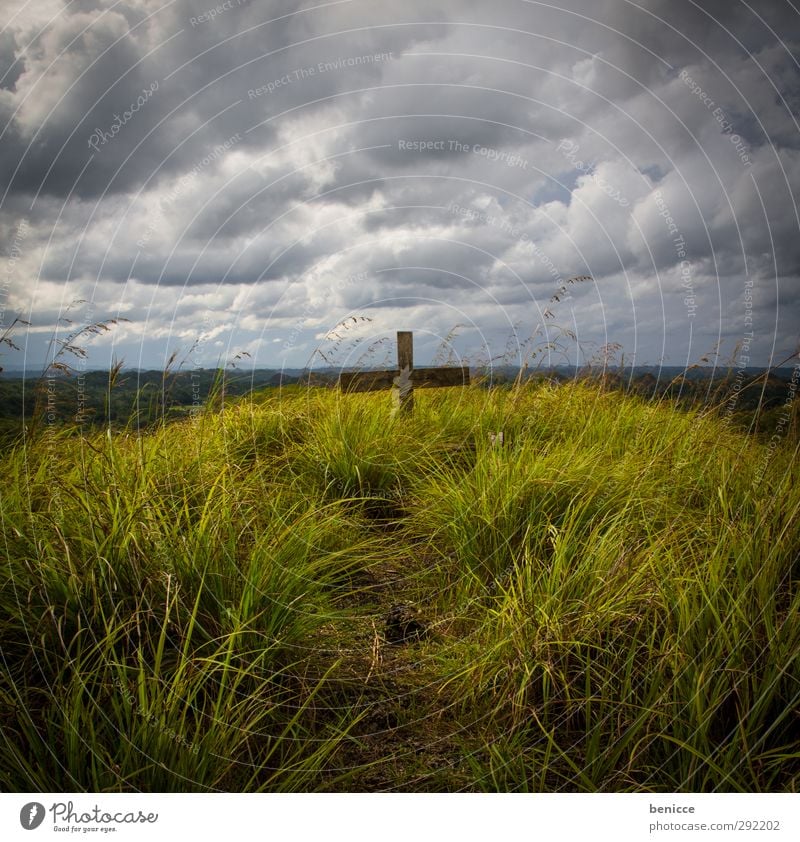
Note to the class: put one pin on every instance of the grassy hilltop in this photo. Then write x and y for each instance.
(610, 598)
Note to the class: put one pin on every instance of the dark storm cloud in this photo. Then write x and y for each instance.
(10, 69)
(91, 66)
(327, 158)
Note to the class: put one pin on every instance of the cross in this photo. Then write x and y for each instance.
(405, 377)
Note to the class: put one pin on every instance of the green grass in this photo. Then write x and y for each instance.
(612, 597)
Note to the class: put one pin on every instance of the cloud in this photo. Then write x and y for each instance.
(235, 172)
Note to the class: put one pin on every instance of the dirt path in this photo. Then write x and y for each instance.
(408, 737)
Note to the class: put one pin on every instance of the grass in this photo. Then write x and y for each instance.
(611, 593)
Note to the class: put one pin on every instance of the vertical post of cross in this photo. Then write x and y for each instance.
(402, 390)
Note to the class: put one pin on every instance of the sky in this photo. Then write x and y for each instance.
(287, 183)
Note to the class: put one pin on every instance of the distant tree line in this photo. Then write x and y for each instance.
(752, 400)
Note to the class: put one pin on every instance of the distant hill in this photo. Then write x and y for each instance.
(147, 395)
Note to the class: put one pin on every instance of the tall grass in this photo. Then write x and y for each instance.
(638, 626)
(611, 594)
(157, 603)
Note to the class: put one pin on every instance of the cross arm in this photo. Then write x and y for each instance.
(421, 378)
